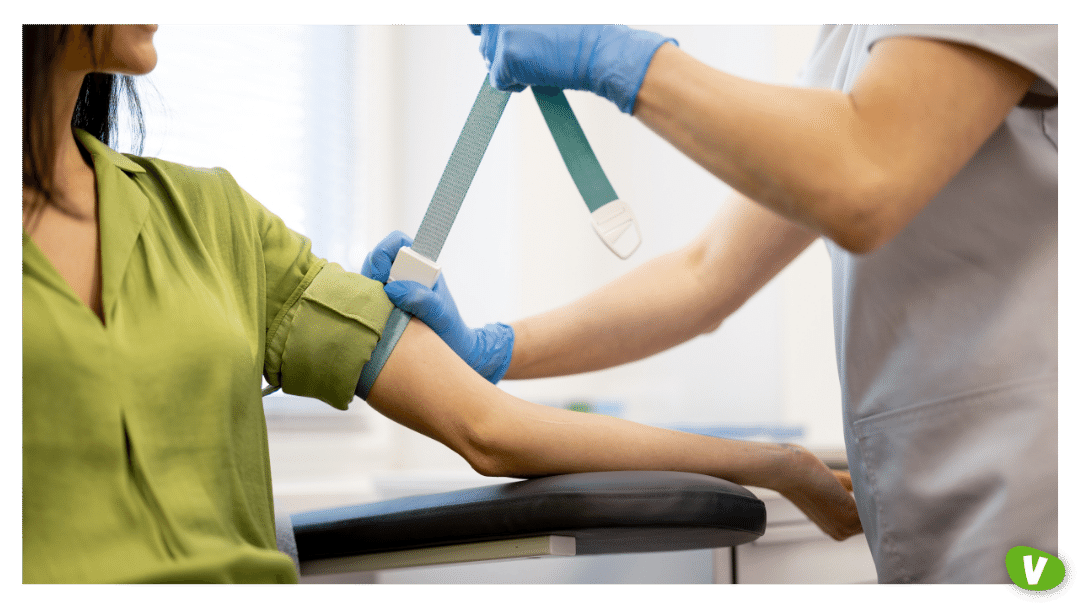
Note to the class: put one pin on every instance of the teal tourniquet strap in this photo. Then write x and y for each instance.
(575, 149)
(445, 203)
(460, 170)
(611, 218)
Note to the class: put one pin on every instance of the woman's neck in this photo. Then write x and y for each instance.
(70, 174)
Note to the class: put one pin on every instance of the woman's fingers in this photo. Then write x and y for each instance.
(824, 496)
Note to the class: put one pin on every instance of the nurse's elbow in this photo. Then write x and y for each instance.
(862, 216)
(856, 234)
(716, 312)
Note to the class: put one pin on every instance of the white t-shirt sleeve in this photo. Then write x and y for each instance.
(1033, 47)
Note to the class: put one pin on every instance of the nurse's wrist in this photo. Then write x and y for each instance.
(654, 94)
(516, 364)
(494, 345)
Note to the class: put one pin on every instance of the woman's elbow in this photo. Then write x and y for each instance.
(495, 463)
(483, 446)
(489, 464)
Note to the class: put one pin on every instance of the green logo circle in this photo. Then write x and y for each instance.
(1034, 570)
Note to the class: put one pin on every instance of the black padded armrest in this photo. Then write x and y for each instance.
(611, 512)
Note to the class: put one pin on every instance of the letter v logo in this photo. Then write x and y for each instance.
(1033, 574)
(1034, 570)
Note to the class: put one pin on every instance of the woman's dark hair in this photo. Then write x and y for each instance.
(95, 110)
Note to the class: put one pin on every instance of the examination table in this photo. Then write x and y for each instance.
(565, 515)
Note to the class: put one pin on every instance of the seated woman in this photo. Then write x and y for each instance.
(156, 295)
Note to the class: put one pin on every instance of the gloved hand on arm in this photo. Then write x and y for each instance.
(609, 60)
(487, 350)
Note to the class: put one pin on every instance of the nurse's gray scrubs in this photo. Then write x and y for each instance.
(946, 337)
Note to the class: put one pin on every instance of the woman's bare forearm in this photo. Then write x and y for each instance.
(427, 388)
(535, 440)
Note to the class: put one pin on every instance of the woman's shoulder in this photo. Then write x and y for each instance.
(199, 191)
(208, 199)
(186, 180)
(162, 179)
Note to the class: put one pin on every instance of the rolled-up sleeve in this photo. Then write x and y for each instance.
(324, 322)
(326, 337)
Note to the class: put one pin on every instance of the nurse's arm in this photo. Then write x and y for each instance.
(855, 167)
(664, 302)
(426, 387)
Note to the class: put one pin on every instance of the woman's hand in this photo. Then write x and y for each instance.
(822, 494)
(487, 349)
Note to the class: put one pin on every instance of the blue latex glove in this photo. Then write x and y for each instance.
(609, 60)
(487, 350)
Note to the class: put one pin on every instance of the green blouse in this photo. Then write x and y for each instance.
(144, 444)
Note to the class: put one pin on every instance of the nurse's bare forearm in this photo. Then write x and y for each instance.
(855, 166)
(664, 302)
(648, 310)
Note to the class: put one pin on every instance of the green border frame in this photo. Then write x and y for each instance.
(435, 11)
